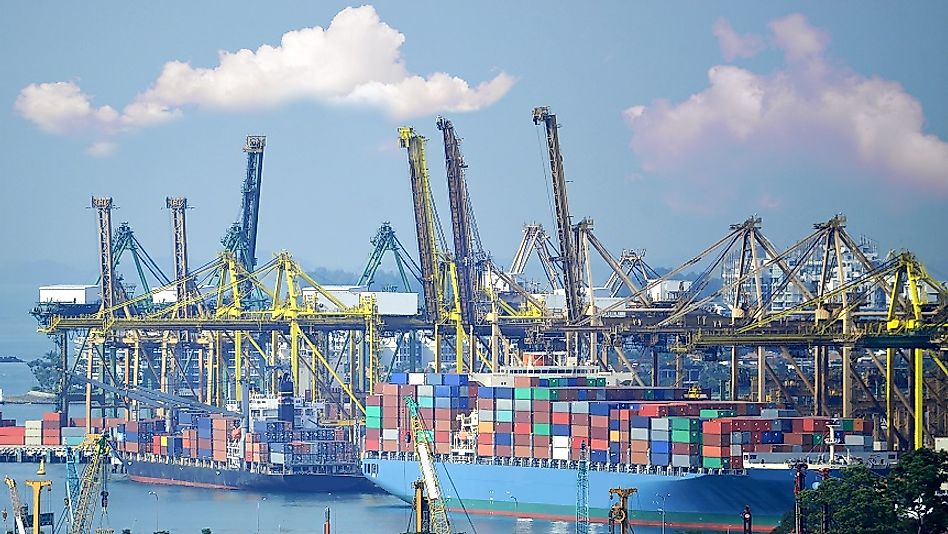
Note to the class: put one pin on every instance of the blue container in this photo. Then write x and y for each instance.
(455, 380)
(581, 395)
(485, 392)
(638, 421)
(613, 448)
(560, 430)
(571, 382)
(613, 457)
(463, 402)
(434, 379)
(662, 447)
(599, 408)
(598, 456)
(503, 439)
(503, 393)
(614, 425)
(398, 378)
(445, 391)
(442, 402)
(659, 458)
(544, 382)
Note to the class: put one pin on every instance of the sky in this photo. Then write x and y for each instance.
(677, 120)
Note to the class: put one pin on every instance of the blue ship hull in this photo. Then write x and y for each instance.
(693, 500)
(222, 478)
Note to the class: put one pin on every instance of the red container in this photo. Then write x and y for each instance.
(717, 426)
(522, 440)
(503, 450)
(639, 446)
(715, 452)
(442, 436)
(390, 445)
(442, 448)
(576, 442)
(639, 458)
(580, 431)
(12, 435)
(373, 434)
(503, 428)
(560, 418)
(600, 444)
(51, 417)
(579, 419)
(599, 433)
(373, 400)
(485, 449)
(522, 451)
(442, 425)
(541, 453)
(541, 417)
(523, 417)
(541, 442)
(718, 440)
(599, 421)
(485, 439)
(444, 414)
(524, 429)
(542, 406)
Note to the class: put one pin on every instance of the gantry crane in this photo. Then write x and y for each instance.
(426, 225)
(536, 239)
(241, 238)
(568, 257)
(437, 510)
(582, 491)
(92, 483)
(384, 241)
(468, 252)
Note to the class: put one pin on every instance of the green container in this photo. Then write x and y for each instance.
(373, 411)
(686, 436)
(848, 424)
(711, 462)
(714, 414)
(554, 394)
(373, 422)
(522, 393)
(557, 382)
(541, 429)
(649, 394)
(685, 423)
(541, 394)
(426, 402)
(426, 433)
(817, 439)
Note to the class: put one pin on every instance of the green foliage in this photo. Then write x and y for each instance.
(47, 370)
(205, 531)
(861, 502)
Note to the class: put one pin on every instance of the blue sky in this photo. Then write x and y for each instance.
(677, 120)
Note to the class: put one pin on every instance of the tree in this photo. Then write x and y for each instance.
(913, 485)
(47, 370)
(860, 501)
(855, 503)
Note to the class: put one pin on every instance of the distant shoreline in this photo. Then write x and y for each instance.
(11, 359)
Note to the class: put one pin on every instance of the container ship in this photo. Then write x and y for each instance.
(510, 444)
(277, 445)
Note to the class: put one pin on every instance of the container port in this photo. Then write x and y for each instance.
(571, 383)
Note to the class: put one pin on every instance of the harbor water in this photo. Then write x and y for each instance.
(181, 510)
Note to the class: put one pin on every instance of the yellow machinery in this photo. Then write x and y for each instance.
(19, 511)
(619, 513)
(92, 483)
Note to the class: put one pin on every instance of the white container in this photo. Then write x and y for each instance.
(736, 450)
(165, 296)
(34, 424)
(277, 458)
(560, 407)
(425, 390)
(579, 407)
(390, 433)
(392, 303)
(660, 423)
(941, 444)
(485, 415)
(560, 453)
(638, 434)
(69, 294)
(416, 379)
(503, 404)
(33, 432)
(33, 440)
(561, 442)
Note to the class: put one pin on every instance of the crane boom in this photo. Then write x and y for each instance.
(461, 221)
(564, 226)
(16, 504)
(91, 484)
(425, 223)
(424, 445)
(241, 238)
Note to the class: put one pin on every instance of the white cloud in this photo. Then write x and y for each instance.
(356, 60)
(734, 45)
(866, 123)
(61, 107)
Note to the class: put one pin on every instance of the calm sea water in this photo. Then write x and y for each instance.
(188, 510)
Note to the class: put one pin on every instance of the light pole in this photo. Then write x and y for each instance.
(156, 509)
(258, 513)
(516, 503)
(662, 508)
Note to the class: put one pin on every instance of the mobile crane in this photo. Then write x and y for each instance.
(431, 511)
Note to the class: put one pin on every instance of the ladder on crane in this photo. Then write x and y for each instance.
(93, 482)
(437, 509)
(16, 504)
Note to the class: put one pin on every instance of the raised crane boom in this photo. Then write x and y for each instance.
(462, 221)
(93, 483)
(424, 445)
(564, 226)
(425, 223)
(16, 504)
(241, 238)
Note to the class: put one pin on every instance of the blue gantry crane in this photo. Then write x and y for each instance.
(241, 237)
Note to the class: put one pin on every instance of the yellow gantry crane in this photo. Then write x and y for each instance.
(438, 269)
(20, 512)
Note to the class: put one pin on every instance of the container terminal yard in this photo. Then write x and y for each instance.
(245, 372)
